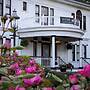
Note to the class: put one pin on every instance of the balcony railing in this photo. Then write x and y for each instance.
(47, 21)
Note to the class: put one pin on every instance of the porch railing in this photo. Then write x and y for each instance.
(85, 61)
(46, 61)
(56, 21)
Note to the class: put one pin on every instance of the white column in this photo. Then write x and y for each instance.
(11, 41)
(4, 40)
(75, 52)
(81, 63)
(53, 52)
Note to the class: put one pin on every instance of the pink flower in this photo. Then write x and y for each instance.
(14, 66)
(32, 62)
(7, 44)
(73, 79)
(30, 69)
(85, 71)
(75, 87)
(48, 88)
(18, 71)
(33, 81)
(11, 88)
(19, 88)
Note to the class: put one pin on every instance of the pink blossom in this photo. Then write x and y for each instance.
(32, 62)
(33, 81)
(19, 88)
(75, 87)
(7, 44)
(48, 88)
(11, 88)
(18, 71)
(30, 69)
(73, 79)
(14, 66)
(85, 71)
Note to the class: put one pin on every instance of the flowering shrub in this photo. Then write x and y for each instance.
(23, 73)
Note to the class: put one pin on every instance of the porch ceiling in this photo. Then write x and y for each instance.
(48, 39)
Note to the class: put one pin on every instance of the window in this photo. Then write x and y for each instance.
(51, 18)
(34, 49)
(73, 52)
(79, 17)
(8, 6)
(84, 22)
(78, 52)
(1, 7)
(85, 51)
(44, 12)
(37, 13)
(24, 6)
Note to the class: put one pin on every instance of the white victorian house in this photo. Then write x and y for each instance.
(58, 31)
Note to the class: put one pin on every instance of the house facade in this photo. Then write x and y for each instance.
(57, 31)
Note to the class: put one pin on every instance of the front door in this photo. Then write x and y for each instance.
(45, 54)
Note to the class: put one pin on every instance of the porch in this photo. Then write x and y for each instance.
(52, 51)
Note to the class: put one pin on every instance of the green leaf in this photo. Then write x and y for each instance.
(26, 76)
(57, 78)
(17, 48)
(5, 85)
(60, 88)
(11, 30)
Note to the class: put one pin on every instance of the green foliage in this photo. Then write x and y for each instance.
(24, 43)
(17, 48)
(3, 19)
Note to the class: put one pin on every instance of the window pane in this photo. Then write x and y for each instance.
(0, 1)
(0, 9)
(24, 6)
(7, 3)
(37, 8)
(84, 22)
(51, 18)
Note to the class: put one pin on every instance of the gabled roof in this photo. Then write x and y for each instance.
(75, 3)
(83, 1)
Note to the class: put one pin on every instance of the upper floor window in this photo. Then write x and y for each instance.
(37, 12)
(24, 6)
(79, 17)
(8, 6)
(84, 22)
(1, 7)
(51, 18)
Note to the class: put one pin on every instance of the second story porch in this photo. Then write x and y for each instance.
(50, 25)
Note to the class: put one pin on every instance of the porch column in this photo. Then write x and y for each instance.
(4, 40)
(81, 62)
(53, 52)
